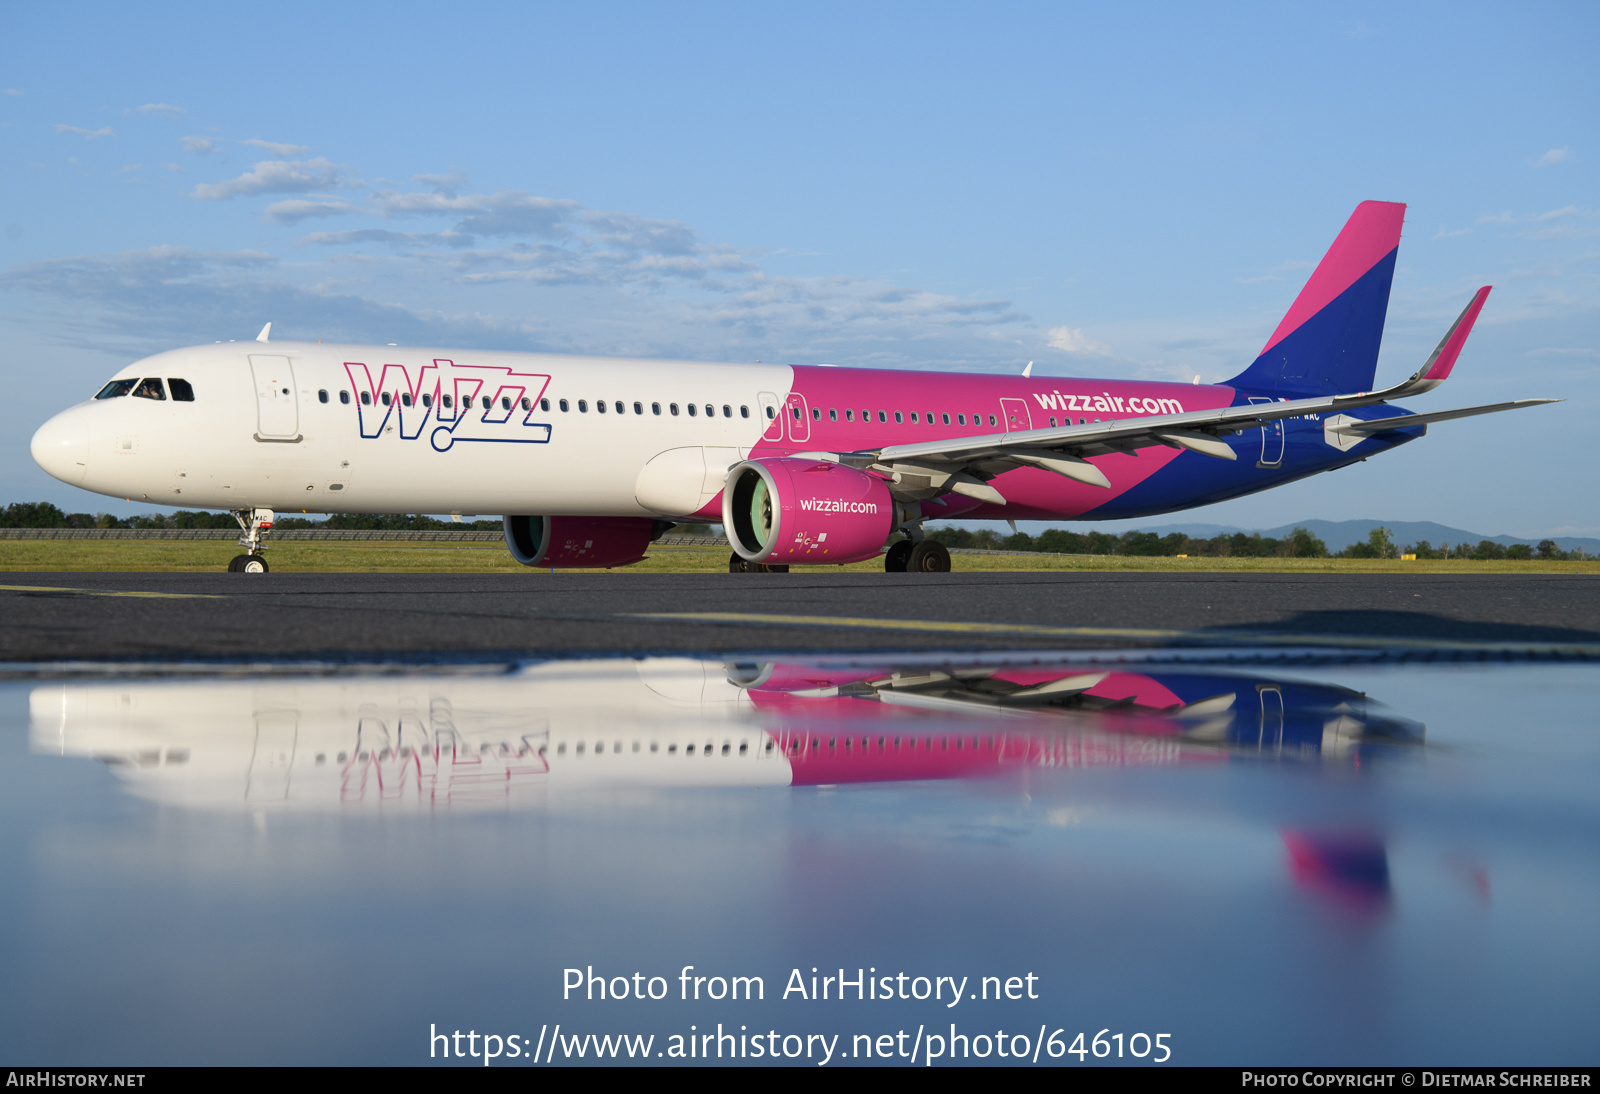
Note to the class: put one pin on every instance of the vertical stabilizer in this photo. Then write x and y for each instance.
(1328, 342)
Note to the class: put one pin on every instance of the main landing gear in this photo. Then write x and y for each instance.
(925, 557)
(255, 523)
(739, 565)
(916, 554)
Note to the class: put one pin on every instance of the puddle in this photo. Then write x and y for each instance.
(1331, 862)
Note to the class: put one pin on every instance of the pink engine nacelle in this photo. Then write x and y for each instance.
(571, 542)
(789, 509)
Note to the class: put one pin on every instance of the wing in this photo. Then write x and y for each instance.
(965, 465)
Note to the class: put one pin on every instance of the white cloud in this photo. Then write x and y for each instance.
(1496, 218)
(11, 91)
(1073, 340)
(274, 177)
(282, 151)
(162, 108)
(130, 168)
(86, 134)
(1554, 156)
(200, 145)
(1447, 234)
(449, 183)
(296, 209)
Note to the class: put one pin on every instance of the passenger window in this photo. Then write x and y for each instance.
(150, 388)
(674, 408)
(961, 419)
(898, 420)
(744, 412)
(991, 419)
(913, 417)
(344, 397)
(487, 402)
(427, 401)
(600, 406)
(116, 388)
(527, 403)
(618, 406)
(183, 393)
(691, 410)
(505, 402)
(1052, 423)
(849, 415)
(446, 400)
(816, 414)
(727, 411)
(583, 406)
(366, 398)
(563, 405)
(866, 415)
(946, 418)
(638, 408)
(882, 417)
(770, 413)
(655, 408)
(544, 404)
(833, 415)
(386, 397)
(405, 398)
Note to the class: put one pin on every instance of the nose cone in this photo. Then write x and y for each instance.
(61, 447)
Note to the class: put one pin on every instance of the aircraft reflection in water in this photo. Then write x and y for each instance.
(413, 743)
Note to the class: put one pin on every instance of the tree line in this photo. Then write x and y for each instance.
(38, 514)
(1299, 543)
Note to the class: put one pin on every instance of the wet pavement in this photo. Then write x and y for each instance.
(1242, 856)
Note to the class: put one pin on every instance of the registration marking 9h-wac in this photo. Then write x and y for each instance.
(450, 402)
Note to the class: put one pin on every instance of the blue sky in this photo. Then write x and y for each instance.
(1114, 190)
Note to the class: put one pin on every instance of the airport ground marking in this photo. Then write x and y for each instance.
(109, 592)
(1228, 637)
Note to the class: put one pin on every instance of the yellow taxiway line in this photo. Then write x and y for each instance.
(107, 592)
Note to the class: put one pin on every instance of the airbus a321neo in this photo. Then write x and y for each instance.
(591, 459)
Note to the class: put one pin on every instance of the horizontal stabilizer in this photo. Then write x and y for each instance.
(1402, 421)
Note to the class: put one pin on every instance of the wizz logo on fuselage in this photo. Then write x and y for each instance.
(450, 403)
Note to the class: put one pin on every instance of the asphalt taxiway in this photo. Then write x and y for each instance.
(148, 616)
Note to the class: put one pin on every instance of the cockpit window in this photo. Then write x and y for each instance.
(116, 388)
(182, 392)
(150, 388)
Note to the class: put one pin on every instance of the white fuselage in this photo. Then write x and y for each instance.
(305, 426)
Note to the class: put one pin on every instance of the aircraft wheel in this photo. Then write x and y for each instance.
(249, 564)
(899, 554)
(737, 564)
(928, 557)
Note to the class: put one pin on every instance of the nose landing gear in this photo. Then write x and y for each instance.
(255, 523)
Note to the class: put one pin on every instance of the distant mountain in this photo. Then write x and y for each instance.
(1339, 534)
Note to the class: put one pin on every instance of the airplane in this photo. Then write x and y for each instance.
(520, 739)
(592, 459)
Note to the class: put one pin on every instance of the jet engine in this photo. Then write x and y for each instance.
(791, 509)
(588, 542)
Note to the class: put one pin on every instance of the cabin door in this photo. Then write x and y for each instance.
(277, 407)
